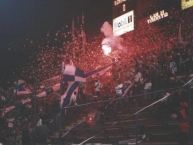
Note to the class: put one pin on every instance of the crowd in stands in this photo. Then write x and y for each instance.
(154, 61)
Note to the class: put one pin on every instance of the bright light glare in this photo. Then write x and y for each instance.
(106, 49)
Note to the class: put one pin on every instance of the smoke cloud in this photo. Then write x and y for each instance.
(114, 41)
(107, 29)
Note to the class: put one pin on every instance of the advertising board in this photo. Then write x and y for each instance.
(186, 4)
(123, 23)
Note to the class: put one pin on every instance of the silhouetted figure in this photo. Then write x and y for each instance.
(25, 136)
(184, 124)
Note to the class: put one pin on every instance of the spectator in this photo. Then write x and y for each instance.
(98, 87)
(147, 89)
(184, 122)
(173, 67)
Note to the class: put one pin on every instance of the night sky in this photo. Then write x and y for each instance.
(20, 19)
(24, 18)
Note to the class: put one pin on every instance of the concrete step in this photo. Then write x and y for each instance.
(159, 143)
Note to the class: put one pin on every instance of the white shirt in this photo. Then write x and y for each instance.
(97, 86)
(39, 123)
(119, 89)
(148, 86)
(138, 77)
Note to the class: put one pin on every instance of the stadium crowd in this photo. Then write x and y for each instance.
(155, 60)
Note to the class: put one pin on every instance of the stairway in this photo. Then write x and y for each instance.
(122, 128)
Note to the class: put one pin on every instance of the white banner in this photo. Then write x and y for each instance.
(123, 23)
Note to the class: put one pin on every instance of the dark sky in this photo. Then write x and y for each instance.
(20, 19)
